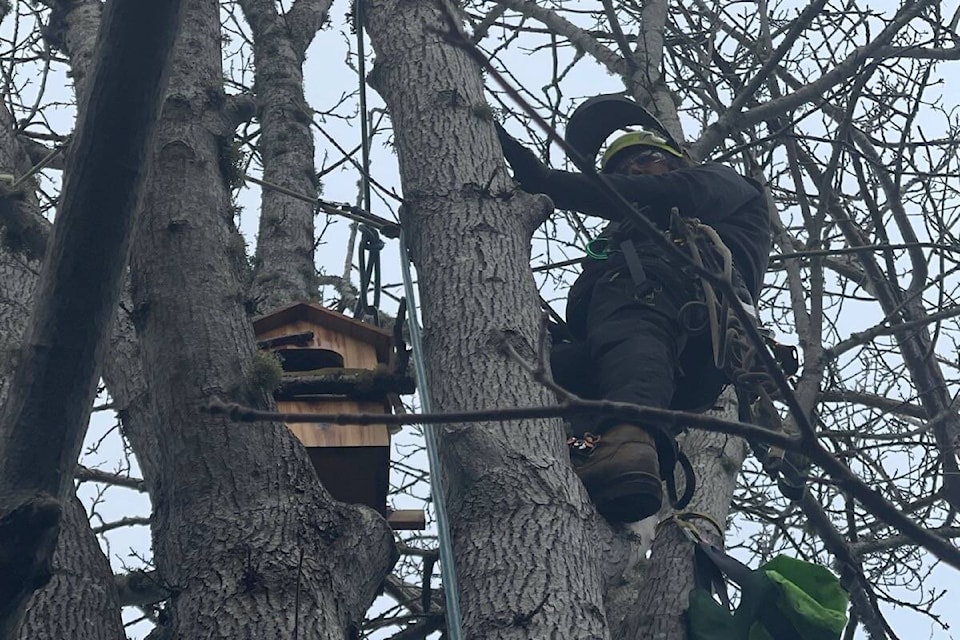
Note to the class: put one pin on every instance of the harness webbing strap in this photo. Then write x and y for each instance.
(635, 267)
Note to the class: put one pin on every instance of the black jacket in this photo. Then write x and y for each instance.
(716, 194)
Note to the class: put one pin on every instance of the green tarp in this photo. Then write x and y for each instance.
(785, 599)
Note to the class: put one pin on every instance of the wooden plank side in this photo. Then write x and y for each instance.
(356, 353)
(336, 435)
(407, 520)
(319, 316)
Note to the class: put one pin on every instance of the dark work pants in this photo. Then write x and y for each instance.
(629, 338)
(633, 339)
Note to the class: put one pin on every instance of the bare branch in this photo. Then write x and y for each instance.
(566, 29)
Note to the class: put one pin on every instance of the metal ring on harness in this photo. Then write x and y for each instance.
(694, 317)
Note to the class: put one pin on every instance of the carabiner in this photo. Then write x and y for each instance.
(603, 253)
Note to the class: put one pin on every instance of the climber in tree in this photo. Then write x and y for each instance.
(623, 311)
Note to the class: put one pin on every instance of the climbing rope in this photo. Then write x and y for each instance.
(449, 575)
(369, 259)
(388, 228)
(737, 356)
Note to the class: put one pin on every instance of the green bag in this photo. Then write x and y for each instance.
(785, 599)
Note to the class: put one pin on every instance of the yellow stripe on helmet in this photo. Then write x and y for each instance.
(634, 139)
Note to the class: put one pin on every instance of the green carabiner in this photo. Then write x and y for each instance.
(603, 253)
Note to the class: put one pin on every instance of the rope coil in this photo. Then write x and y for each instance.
(737, 356)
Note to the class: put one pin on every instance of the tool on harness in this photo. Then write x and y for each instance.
(785, 599)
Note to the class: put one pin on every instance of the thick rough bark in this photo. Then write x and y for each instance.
(80, 569)
(81, 600)
(79, 284)
(18, 269)
(520, 517)
(73, 29)
(658, 599)
(50, 390)
(125, 379)
(245, 537)
(285, 271)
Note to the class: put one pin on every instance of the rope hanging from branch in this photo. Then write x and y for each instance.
(369, 259)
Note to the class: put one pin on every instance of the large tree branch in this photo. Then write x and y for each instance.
(746, 93)
(666, 418)
(44, 418)
(73, 29)
(141, 588)
(305, 18)
(285, 243)
(842, 475)
(877, 402)
(23, 229)
(85, 474)
(646, 82)
(915, 344)
(919, 53)
(38, 152)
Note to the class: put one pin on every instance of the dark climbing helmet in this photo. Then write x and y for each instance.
(601, 116)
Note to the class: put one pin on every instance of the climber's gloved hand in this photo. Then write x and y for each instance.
(528, 170)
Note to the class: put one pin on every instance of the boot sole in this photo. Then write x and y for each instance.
(629, 498)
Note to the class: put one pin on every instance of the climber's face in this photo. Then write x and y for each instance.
(644, 161)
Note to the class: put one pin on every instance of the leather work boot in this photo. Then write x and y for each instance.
(621, 472)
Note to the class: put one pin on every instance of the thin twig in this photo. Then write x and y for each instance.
(662, 417)
(122, 522)
(85, 474)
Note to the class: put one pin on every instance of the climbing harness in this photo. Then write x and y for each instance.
(709, 312)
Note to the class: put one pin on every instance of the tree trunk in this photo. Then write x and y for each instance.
(245, 537)
(520, 517)
(285, 271)
(659, 598)
(81, 601)
(73, 29)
